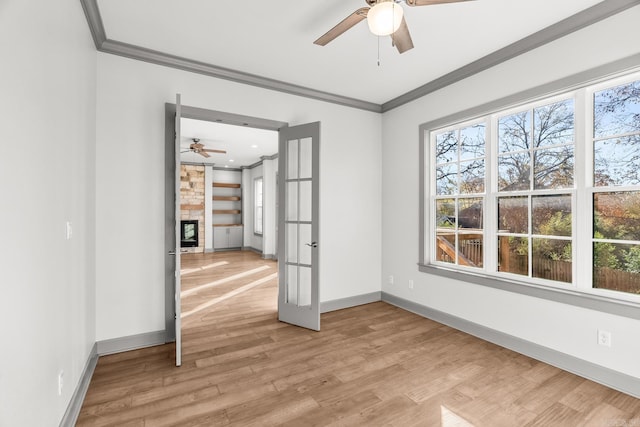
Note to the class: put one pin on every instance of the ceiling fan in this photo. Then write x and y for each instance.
(198, 148)
(385, 17)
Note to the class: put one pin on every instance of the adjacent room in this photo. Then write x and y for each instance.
(439, 228)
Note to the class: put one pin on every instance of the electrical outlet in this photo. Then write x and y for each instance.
(69, 230)
(410, 284)
(60, 382)
(390, 280)
(604, 338)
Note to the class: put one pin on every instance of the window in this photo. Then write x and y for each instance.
(257, 202)
(616, 192)
(546, 193)
(535, 178)
(459, 201)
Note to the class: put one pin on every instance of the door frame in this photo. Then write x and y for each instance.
(169, 196)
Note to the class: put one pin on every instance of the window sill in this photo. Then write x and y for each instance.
(580, 299)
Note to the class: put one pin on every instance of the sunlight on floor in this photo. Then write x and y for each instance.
(222, 281)
(204, 267)
(448, 418)
(228, 295)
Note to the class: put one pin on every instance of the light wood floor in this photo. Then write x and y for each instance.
(373, 365)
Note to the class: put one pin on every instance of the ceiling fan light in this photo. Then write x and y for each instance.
(384, 18)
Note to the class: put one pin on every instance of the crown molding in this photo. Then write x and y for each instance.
(596, 13)
(92, 13)
(161, 58)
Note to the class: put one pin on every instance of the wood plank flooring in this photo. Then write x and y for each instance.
(372, 365)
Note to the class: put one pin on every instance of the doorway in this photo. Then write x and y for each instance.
(212, 116)
(298, 212)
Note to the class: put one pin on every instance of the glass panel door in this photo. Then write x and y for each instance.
(298, 301)
(178, 323)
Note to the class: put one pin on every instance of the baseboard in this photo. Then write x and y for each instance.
(339, 304)
(605, 376)
(132, 342)
(73, 410)
(252, 249)
(259, 252)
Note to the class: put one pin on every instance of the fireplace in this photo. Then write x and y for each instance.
(189, 233)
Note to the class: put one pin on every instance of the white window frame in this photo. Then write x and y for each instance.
(258, 205)
(580, 292)
(432, 192)
(591, 188)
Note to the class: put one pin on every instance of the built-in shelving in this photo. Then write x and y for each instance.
(228, 198)
(227, 210)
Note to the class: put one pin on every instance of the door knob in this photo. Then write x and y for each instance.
(312, 244)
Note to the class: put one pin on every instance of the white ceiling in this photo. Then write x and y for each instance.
(243, 145)
(274, 38)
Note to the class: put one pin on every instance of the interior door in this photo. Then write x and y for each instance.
(177, 288)
(298, 196)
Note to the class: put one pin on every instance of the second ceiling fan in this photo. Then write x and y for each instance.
(385, 18)
(198, 148)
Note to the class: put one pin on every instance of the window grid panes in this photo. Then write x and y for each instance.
(459, 202)
(258, 202)
(616, 197)
(536, 151)
(513, 193)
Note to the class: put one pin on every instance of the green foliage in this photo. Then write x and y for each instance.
(522, 245)
(632, 260)
(559, 224)
(604, 254)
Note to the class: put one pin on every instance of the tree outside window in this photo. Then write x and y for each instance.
(616, 199)
(505, 189)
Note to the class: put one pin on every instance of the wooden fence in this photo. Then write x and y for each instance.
(609, 278)
(471, 252)
(469, 245)
(550, 269)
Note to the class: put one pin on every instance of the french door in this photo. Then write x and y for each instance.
(177, 287)
(298, 209)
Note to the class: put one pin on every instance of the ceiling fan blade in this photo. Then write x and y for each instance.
(214, 151)
(203, 154)
(401, 38)
(430, 2)
(196, 146)
(343, 26)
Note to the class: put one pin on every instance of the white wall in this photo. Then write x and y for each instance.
(567, 329)
(47, 160)
(130, 180)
